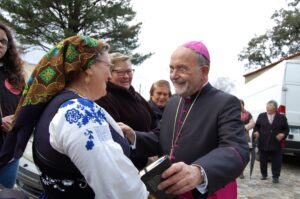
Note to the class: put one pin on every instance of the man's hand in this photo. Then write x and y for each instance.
(180, 178)
(128, 132)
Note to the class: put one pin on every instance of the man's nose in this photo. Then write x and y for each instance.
(173, 74)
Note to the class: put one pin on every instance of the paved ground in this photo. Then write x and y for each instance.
(287, 188)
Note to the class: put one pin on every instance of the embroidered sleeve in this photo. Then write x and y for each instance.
(80, 130)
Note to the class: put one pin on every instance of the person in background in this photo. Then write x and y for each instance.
(12, 81)
(270, 129)
(160, 93)
(124, 104)
(79, 149)
(201, 130)
(249, 123)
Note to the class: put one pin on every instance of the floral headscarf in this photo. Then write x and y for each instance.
(68, 57)
(71, 55)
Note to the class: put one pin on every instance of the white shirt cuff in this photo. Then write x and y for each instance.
(133, 145)
(202, 188)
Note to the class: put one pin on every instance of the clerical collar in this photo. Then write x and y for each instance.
(193, 96)
(1, 64)
(190, 99)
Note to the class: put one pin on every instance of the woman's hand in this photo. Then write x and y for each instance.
(128, 132)
(7, 123)
(280, 136)
(256, 135)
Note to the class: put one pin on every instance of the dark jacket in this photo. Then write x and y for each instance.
(129, 107)
(267, 132)
(157, 111)
(8, 101)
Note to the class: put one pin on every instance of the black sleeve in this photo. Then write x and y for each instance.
(257, 123)
(112, 109)
(147, 143)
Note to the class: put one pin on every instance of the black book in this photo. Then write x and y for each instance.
(151, 176)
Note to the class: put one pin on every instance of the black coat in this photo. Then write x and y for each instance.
(8, 101)
(157, 111)
(129, 107)
(267, 132)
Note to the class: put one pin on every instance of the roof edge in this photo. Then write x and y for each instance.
(272, 64)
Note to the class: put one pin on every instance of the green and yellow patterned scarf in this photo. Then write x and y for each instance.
(71, 55)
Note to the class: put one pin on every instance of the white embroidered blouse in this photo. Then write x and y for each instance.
(80, 130)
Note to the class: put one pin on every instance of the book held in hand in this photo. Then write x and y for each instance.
(151, 176)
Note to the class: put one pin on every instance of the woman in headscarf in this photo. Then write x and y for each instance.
(79, 149)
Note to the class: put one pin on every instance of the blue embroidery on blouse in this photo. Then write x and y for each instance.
(85, 111)
(89, 144)
(66, 103)
(73, 116)
(86, 102)
(90, 113)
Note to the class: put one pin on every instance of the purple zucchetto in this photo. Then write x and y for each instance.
(199, 47)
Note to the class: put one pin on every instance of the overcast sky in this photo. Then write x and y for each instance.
(224, 26)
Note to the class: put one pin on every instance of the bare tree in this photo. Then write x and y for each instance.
(225, 84)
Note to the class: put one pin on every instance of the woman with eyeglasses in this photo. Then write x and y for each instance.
(11, 84)
(78, 147)
(124, 104)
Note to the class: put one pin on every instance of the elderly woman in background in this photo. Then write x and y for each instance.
(270, 131)
(11, 84)
(124, 104)
(160, 93)
(78, 147)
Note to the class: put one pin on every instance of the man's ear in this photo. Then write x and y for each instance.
(205, 70)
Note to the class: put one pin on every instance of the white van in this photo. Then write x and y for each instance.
(281, 82)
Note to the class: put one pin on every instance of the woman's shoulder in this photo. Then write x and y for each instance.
(82, 111)
(83, 102)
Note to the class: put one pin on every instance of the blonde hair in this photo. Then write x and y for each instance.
(115, 57)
